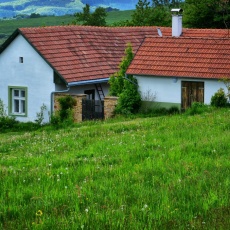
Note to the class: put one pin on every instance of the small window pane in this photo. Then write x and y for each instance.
(16, 106)
(23, 93)
(23, 106)
(16, 93)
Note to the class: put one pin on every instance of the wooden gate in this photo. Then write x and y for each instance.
(92, 109)
(191, 92)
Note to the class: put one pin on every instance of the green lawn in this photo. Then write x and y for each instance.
(169, 172)
(7, 27)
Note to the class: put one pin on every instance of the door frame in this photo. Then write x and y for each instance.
(191, 91)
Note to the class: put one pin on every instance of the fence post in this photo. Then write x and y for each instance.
(109, 106)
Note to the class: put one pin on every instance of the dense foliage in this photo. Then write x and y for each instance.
(219, 99)
(207, 13)
(97, 18)
(125, 87)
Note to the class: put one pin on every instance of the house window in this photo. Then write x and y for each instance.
(20, 59)
(18, 101)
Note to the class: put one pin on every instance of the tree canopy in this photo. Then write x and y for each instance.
(97, 18)
(156, 13)
(207, 13)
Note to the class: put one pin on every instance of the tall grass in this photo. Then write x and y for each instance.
(169, 172)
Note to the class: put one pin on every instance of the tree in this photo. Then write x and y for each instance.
(158, 14)
(97, 18)
(116, 80)
(207, 13)
(125, 88)
(142, 14)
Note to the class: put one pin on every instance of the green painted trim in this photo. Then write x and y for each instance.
(10, 88)
(157, 105)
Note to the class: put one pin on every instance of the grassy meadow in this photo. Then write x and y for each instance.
(7, 27)
(167, 172)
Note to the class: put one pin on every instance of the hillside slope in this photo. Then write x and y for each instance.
(10, 8)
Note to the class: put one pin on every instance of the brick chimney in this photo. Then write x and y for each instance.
(176, 22)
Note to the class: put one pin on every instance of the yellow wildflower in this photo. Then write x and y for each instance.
(39, 213)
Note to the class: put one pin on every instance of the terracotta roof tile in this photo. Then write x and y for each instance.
(182, 57)
(81, 53)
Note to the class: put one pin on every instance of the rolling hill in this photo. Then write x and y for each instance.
(11, 8)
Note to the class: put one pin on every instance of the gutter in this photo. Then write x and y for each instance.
(88, 82)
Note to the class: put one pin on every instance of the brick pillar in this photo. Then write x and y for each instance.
(78, 107)
(109, 106)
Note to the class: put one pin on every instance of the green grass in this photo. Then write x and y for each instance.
(169, 172)
(7, 27)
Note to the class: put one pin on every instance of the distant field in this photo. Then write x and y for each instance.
(169, 172)
(8, 26)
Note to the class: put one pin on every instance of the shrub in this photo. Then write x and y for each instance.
(173, 110)
(197, 108)
(219, 99)
(66, 103)
(40, 115)
(129, 101)
(7, 123)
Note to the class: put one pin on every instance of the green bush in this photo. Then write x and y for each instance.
(7, 123)
(129, 101)
(219, 99)
(197, 108)
(173, 110)
(66, 103)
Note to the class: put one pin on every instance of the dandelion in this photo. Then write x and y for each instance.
(39, 213)
(86, 210)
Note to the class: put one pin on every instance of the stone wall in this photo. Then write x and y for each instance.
(109, 105)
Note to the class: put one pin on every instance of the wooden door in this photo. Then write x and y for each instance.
(191, 91)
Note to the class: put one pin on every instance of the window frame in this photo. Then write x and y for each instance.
(11, 99)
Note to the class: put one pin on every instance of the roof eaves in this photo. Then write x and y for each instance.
(9, 40)
(87, 82)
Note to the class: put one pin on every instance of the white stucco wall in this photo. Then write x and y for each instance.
(168, 91)
(34, 73)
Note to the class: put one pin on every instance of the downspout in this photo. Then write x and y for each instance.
(52, 97)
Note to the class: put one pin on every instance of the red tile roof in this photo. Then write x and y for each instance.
(182, 57)
(208, 33)
(80, 53)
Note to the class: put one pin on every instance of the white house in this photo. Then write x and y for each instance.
(183, 68)
(35, 63)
